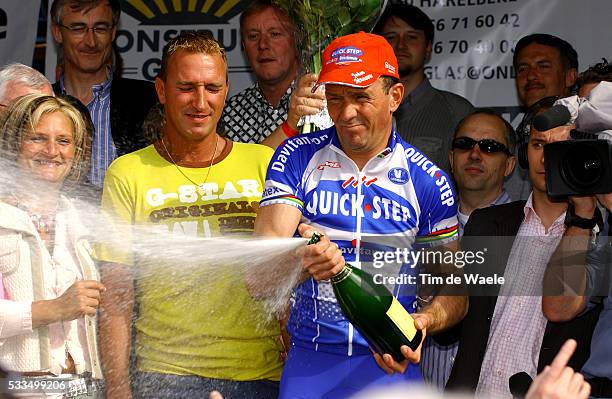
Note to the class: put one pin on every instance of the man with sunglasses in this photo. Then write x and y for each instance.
(85, 31)
(505, 331)
(481, 156)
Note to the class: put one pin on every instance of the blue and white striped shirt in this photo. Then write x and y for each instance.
(103, 150)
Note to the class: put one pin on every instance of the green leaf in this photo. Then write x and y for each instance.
(369, 7)
(318, 5)
(320, 21)
(344, 17)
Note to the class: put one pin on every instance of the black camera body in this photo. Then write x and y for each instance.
(578, 167)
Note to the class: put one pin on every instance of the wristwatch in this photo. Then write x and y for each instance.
(571, 219)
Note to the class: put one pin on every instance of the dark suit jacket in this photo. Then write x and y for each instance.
(496, 221)
(130, 102)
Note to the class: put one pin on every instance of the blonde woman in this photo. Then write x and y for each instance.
(51, 288)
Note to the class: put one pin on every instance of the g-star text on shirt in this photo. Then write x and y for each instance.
(332, 203)
(420, 160)
(190, 193)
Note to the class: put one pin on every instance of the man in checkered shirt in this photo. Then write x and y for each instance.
(268, 111)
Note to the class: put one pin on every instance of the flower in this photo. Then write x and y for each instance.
(321, 21)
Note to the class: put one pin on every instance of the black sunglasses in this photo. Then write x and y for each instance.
(486, 145)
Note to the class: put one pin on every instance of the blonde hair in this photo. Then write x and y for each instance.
(24, 114)
(192, 42)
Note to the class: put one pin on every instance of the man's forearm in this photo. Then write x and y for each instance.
(275, 138)
(444, 312)
(116, 309)
(450, 303)
(565, 278)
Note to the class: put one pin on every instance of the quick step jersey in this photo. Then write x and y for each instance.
(399, 199)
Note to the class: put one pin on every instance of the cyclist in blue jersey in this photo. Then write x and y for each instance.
(355, 181)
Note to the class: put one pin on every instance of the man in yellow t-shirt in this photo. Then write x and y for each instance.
(196, 330)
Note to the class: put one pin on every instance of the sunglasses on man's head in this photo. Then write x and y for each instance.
(489, 146)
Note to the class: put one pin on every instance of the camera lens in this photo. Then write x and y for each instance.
(582, 169)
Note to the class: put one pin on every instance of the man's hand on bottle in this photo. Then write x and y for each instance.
(321, 260)
(386, 361)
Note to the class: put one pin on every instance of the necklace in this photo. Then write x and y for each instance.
(42, 223)
(200, 186)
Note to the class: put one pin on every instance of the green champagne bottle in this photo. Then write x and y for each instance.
(373, 310)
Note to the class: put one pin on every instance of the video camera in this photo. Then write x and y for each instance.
(578, 167)
(583, 164)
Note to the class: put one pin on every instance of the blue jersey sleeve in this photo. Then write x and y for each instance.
(288, 168)
(438, 223)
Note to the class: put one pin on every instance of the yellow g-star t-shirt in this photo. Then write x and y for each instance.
(190, 322)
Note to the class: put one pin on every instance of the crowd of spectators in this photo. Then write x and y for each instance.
(404, 165)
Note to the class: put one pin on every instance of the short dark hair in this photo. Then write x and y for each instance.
(410, 14)
(388, 82)
(57, 8)
(600, 72)
(509, 132)
(523, 131)
(569, 56)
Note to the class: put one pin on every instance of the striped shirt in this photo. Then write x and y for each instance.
(103, 150)
(437, 359)
(518, 324)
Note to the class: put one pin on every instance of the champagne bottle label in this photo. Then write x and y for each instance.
(402, 319)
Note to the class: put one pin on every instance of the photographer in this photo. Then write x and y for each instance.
(505, 332)
(577, 276)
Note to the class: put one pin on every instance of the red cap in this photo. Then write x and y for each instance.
(357, 60)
